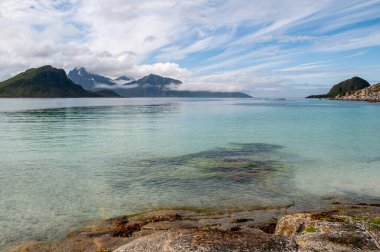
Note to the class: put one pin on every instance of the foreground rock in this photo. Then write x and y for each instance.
(184, 240)
(328, 232)
(370, 94)
(344, 228)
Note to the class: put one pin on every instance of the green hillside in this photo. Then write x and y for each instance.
(44, 82)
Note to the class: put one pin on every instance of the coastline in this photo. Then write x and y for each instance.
(358, 98)
(338, 226)
(351, 99)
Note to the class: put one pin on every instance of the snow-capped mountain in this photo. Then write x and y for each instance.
(88, 80)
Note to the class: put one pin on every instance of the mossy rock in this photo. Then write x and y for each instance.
(311, 229)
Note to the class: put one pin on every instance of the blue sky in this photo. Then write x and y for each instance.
(287, 48)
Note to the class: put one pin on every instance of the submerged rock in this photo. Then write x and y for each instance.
(239, 163)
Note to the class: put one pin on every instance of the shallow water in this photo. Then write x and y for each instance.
(67, 161)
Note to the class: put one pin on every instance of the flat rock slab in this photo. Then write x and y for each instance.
(209, 241)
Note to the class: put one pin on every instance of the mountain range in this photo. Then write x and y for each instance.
(47, 81)
(92, 81)
(148, 86)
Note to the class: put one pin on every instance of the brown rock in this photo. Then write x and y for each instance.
(370, 94)
(347, 228)
(326, 232)
(209, 241)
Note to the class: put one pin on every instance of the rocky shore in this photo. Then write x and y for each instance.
(370, 94)
(342, 227)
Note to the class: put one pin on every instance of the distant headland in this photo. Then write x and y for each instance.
(354, 89)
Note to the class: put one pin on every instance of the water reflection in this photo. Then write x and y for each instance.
(77, 112)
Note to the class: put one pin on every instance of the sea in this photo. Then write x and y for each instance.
(66, 162)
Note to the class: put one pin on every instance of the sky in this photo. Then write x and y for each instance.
(272, 48)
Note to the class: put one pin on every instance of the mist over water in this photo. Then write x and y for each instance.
(64, 162)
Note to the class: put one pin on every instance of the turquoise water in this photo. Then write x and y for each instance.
(64, 162)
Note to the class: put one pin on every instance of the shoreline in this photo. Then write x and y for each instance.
(349, 99)
(339, 226)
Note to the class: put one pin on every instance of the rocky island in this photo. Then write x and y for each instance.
(354, 89)
(340, 89)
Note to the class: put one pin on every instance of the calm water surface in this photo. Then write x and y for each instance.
(64, 162)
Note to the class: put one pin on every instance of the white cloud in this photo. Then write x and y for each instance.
(305, 67)
(176, 53)
(354, 39)
(242, 80)
(172, 70)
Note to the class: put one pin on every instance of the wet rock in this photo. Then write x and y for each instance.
(126, 230)
(269, 227)
(103, 236)
(241, 220)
